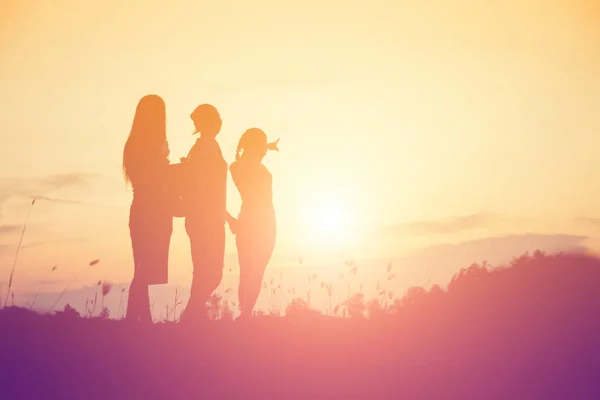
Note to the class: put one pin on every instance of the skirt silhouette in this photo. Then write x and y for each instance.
(150, 229)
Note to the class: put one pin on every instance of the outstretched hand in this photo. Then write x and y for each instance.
(273, 145)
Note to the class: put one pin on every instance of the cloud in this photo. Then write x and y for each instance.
(3, 251)
(497, 250)
(54, 241)
(4, 196)
(438, 263)
(52, 281)
(511, 245)
(9, 229)
(449, 225)
(67, 201)
(589, 220)
(60, 180)
(44, 185)
(494, 249)
(41, 186)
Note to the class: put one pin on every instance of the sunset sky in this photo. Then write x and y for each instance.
(407, 123)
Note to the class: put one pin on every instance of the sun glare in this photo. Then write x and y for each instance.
(329, 220)
(329, 223)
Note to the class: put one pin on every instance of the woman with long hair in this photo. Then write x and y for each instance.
(255, 228)
(145, 166)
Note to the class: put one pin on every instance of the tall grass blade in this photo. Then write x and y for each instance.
(12, 272)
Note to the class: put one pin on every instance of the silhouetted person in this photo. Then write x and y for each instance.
(205, 219)
(255, 228)
(145, 163)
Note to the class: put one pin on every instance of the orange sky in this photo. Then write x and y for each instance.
(406, 117)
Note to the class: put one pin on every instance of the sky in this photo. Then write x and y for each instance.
(403, 124)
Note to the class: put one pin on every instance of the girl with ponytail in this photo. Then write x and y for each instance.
(255, 228)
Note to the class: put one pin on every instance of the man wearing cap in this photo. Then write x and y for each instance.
(206, 212)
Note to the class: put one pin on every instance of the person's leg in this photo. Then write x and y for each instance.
(255, 254)
(161, 253)
(243, 271)
(208, 253)
(254, 277)
(138, 303)
(245, 239)
(145, 312)
(243, 287)
(212, 265)
(152, 254)
(213, 254)
(133, 301)
(193, 309)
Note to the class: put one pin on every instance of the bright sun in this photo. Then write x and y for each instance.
(329, 220)
(329, 224)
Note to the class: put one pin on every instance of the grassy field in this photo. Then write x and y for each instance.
(529, 330)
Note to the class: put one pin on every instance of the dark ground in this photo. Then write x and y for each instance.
(529, 331)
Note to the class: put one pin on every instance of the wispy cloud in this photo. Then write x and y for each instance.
(9, 229)
(51, 242)
(449, 225)
(44, 184)
(41, 187)
(52, 281)
(589, 220)
(441, 261)
(69, 201)
(57, 181)
(4, 196)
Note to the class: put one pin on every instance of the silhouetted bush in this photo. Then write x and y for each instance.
(68, 312)
(530, 329)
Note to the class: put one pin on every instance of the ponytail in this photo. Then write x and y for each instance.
(238, 151)
(249, 139)
(240, 147)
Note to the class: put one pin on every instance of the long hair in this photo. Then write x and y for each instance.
(148, 133)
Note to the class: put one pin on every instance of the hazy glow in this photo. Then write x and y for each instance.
(388, 113)
(330, 222)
